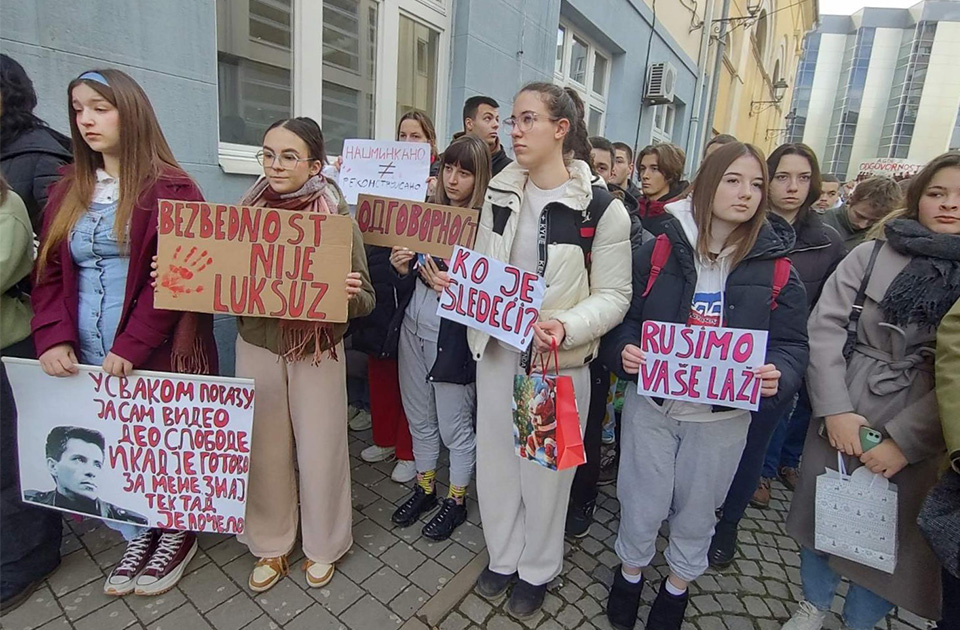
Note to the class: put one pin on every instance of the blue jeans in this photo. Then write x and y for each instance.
(862, 610)
(786, 445)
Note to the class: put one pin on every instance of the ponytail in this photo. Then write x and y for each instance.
(565, 103)
(577, 141)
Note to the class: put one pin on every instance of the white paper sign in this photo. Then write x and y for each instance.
(492, 297)
(710, 365)
(387, 169)
(153, 449)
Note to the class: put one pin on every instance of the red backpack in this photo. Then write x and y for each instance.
(661, 254)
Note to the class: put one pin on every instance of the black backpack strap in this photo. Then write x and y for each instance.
(859, 301)
(588, 228)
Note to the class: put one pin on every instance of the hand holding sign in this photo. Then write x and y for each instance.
(497, 299)
(59, 360)
(632, 358)
(769, 380)
(354, 284)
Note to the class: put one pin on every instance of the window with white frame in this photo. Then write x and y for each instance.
(273, 64)
(663, 119)
(584, 66)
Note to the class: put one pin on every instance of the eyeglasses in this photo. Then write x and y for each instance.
(286, 160)
(526, 121)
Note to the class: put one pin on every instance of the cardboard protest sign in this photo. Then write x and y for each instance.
(376, 167)
(152, 449)
(710, 365)
(256, 262)
(495, 298)
(424, 228)
(896, 168)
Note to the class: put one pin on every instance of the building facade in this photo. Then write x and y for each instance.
(762, 46)
(880, 83)
(220, 71)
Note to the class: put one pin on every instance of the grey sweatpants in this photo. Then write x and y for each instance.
(436, 411)
(674, 471)
(523, 505)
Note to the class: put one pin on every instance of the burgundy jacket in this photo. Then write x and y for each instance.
(145, 334)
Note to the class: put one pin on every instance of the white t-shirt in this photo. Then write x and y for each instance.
(523, 254)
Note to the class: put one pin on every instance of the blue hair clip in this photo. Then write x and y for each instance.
(94, 76)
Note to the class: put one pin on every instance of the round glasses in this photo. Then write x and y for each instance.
(285, 160)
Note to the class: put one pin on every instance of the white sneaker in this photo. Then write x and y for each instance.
(374, 454)
(361, 421)
(404, 472)
(807, 617)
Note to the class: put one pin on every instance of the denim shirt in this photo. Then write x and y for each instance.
(102, 266)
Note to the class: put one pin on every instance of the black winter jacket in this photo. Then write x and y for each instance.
(378, 334)
(747, 303)
(454, 362)
(499, 161)
(653, 212)
(31, 163)
(815, 254)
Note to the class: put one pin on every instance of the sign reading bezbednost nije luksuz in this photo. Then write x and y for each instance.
(488, 295)
(710, 365)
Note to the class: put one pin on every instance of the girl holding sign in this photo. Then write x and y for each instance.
(93, 296)
(300, 420)
(885, 381)
(679, 458)
(437, 372)
(532, 219)
(378, 334)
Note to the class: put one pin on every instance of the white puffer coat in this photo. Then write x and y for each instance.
(588, 304)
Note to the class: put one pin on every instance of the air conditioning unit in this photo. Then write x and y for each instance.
(661, 82)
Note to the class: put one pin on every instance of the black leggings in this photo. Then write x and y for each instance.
(584, 487)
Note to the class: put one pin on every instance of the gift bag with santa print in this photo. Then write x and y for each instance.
(546, 422)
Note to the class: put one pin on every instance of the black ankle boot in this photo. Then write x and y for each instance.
(492, 585)
(723, 547)
(526, 599)
(623, 601)
(667, 610)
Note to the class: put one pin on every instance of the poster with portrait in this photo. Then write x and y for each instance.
(151, 449)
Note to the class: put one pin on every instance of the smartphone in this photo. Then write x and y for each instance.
(422, 261)
(869, 438)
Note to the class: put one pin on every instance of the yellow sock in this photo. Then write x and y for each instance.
(425, 479)
(457, 493)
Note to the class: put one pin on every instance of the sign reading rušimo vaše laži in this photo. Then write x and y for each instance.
(152, 449)
(710, 365)
(493, 297)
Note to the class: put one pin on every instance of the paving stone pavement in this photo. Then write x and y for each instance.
(390, 575)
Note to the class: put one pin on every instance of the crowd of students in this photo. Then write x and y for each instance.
(754, 242)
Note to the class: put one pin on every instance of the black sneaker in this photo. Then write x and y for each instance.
(414, 507)
(723, 547)
(623, 602)
(667, 610)
(451, 516)
(579, 519)
(609, 467)
(526, 599)
(492, 585)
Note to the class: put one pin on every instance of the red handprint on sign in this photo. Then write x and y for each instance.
(180, 275)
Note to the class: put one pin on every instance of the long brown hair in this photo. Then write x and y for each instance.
(704, 189)
(144, 155)
(918, 185)
(471, 154)
(426, 124)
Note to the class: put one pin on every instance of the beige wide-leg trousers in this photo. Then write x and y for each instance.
(300, 412)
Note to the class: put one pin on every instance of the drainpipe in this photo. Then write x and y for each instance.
(693, 134)
(717, 65)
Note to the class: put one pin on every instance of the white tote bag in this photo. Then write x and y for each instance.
(856, 517)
